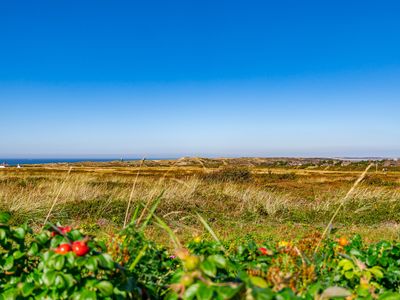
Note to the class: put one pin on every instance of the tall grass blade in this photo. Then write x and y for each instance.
(131, 194)
(209, 229)
(138, 257)
(172, 235)
(56, 198)
(151, 212)
(360, 178)
(136, 213)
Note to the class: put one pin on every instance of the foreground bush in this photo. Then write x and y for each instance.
(63, 263)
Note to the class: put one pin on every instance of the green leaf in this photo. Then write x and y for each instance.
(105, 288)
(209, 268)
(10, 294)
(171, 296)
(227, 292)
(383, 261)
(371, 260)
(18, 254)
(355, 252)
(204, 292)
(70, 256)
(377, 271)
(59, 282)
(80, 261)
(389, 296)
(85, 295)
(120, 293)
(49, 278)
(106, 261)
(258, 281)
(91, 283)
(265, 294)
(349, 274)
(9, 263)
(26, 227)
(42, 238)
(363, 292)
(46, 257)
(191, 291)
(58, 262)
(69, 280)
(314, 289)
(4, 217)
(76, 235)
(346, 264)
(27, 288)
(102, 245)
(219, 260)
(19, 233)
(57, 240)
(91, 264)
(3, 234)
(33, 250)
(285, 294)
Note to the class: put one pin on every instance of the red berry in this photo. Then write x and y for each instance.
(264, 251)
(66, 229)
(343, 241)
(54, 233)
(63, 249)
(80, 248)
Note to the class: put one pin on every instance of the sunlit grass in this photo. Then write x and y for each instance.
(264, 203)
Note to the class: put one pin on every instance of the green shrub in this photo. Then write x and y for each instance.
(128, 266)
(229, 174)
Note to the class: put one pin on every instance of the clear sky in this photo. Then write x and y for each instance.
(208, 78)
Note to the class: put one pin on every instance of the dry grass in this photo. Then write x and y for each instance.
(266, 204)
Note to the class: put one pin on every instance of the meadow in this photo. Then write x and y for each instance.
(201, 229)
(236, 198)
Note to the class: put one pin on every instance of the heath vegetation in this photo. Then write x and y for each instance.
(201, 229)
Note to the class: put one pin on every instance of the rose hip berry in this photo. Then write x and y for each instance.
(343, 241)
(263, 250)
(80, 248)
(64, 230)
(63, 249)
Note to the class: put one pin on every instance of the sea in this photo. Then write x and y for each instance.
(35, 161)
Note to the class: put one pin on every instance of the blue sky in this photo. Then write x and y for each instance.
(207, 78)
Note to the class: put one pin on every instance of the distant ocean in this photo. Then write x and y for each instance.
(32, 161)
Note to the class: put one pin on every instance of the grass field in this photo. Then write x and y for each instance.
(201, 229)
(237, 197)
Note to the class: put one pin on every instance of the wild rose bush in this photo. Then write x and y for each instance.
(64, 263)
